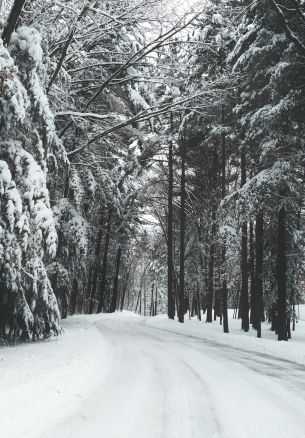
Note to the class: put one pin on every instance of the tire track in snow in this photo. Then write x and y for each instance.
(165, 384)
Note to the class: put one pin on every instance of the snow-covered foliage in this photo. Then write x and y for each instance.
(28, 234)
(92, 100)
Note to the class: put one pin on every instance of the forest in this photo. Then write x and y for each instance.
(152, 159)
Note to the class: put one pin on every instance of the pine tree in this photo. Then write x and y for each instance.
(29, 235)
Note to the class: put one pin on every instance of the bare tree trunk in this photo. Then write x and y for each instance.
(216, 302)
(252, 277)
(105, 261)
(156, 302)
(236, 305)
(259, 248)
(288, 328)
(181, 310)
(74, 296)
(96, 263)
(282, 275)
(225, 306)
(198, 303)
(114, 297)
(244, 299)
(211, 264)
(138, 300)
(210, 297)
(12, 21)
(144, 302)
(125, 286)
(220, 290)
(87, 291)
(293, 316)
(152, 300)
(170, 263)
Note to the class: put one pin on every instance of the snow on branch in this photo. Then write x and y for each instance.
(290, 35)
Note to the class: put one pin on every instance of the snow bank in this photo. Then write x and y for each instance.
(41, 382)
(293, 350)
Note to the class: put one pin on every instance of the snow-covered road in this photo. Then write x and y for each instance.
(158, 383)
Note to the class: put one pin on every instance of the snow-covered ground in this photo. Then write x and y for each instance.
(40, 382)
(125, 376)
(293, 350)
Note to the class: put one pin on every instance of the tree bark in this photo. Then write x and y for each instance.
(114, 297)
(105, 262)
(181, 310)
(223, 194)
(156, 302)
(125, 286)
(282, 276)
(210, 296)
(198, 303)
(152, 313)
(244, 299)
(252, 276)
(211, 262)
(138, 300)
(259, 249)
(96, 264)
(74, 296)
(12, 21)
(170, 262)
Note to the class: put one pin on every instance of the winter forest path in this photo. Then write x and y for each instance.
(161, 384)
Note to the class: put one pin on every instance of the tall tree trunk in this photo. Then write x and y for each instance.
(125, 286)
(170, 262)
(144, 302)
(87, 292)
(138, 300)
(282, 276)
(181, 310)
(210, 296)
(259, 249)
(216, 302)
(244, 299)
(96, 264)
(223, 194)
(152, 300)
(114, 297)
(12, 21)
(156, 302)
(198, 302)
(105, 262)
(74, 296)
(225, 306)
(219, 294)
(252, 276)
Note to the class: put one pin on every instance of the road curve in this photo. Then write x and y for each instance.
(161, 384)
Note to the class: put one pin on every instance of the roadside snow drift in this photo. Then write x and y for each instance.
(40, 382)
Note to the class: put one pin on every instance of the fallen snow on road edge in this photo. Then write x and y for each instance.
(293, 350)
(40, 382)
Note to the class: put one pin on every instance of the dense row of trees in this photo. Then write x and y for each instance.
(150, 161)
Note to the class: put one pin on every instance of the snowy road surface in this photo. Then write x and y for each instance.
(157, 383)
